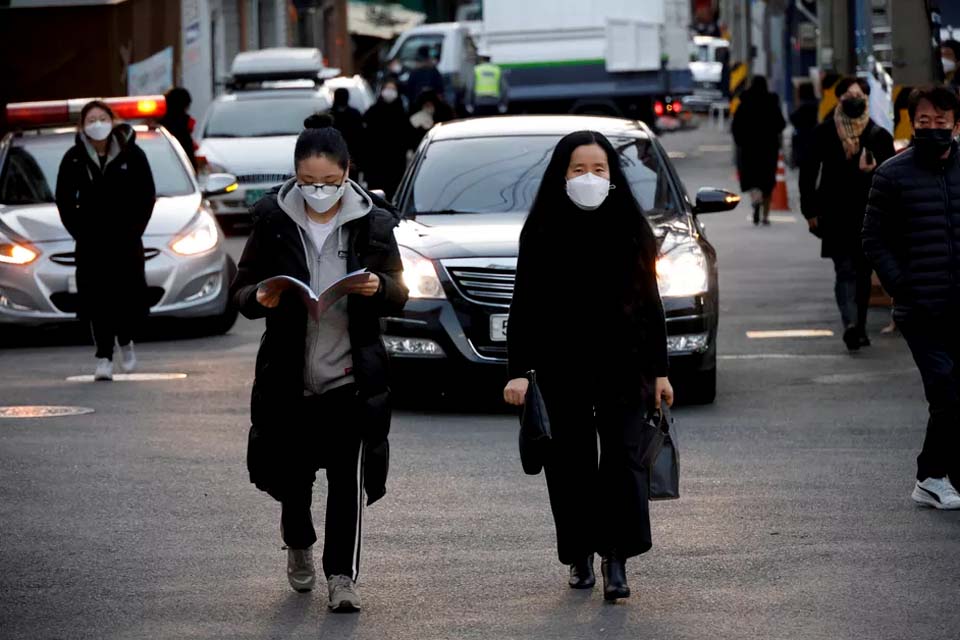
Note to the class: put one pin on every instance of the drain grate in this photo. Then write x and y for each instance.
(42, 411)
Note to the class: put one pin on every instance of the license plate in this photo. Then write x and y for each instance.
(253, 195)
(498, 327)
(71, 284)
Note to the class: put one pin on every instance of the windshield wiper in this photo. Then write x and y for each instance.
(441, 212)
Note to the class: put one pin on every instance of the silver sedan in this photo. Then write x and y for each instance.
(188, 270)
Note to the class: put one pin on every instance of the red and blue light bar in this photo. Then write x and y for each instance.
(63, 112)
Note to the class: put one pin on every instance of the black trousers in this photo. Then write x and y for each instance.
(852, 288)
(337, 420)
(598, 507)
(106, 329)
(935, 345)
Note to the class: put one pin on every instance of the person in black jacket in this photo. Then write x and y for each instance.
(178, 122)
(757, 126)
(804, 120)
(349, 122)
(105, 195)
(320, 394)
(911, 233)
(834, 182)
(601, 369)
(424, 77)
(389, 126)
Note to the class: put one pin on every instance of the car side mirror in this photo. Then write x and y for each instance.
(218, 184)
(380, 193)
(712, 200)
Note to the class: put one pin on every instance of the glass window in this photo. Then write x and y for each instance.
(500, 175)
(261, 117)
(29, 174)
(408, 50)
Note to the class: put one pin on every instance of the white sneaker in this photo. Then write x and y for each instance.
(128, 358)
(104, 369)
(300, 572)
(343, 595)
(937, 493)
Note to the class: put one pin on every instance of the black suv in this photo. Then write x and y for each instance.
(464, 200)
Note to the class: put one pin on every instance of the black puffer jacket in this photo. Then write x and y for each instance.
(275, 248)
(911, 233)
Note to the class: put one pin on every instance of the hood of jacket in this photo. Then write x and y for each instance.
(122, 135)
(355, 204)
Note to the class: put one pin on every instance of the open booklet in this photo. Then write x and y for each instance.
(318, 303)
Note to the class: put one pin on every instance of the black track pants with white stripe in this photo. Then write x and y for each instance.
(343, 522)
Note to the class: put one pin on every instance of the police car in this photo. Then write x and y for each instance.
(188, 270)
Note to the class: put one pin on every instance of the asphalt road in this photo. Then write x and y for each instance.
(138, 521)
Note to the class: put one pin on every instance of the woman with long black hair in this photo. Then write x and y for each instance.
(587, 317)
(320, 394)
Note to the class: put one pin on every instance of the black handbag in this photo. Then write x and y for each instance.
(661, 458)
(535, 433)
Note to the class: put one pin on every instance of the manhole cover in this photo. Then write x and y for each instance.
(133, 377)
(42, 411)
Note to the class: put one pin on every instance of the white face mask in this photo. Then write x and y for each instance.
(948, 65)
(588, 191)
(98, 130)
(322, 202)
(389, 95)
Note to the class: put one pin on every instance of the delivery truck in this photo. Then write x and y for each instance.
(612, 57)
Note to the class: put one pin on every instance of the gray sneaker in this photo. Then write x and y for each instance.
(300, 571)
(343, 594)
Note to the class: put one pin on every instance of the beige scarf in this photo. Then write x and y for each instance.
(850, 130)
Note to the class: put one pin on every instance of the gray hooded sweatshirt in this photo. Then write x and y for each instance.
(328, 363)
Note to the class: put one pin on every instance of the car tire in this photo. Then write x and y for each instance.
(697, 388)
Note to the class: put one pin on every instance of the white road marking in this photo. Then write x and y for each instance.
(782, 356)
(716, 148)
(790, 333)
(676, 155)
(775, 218)
(865, 376)
(133, 377)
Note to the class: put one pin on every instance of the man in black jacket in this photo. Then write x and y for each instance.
(911, 234)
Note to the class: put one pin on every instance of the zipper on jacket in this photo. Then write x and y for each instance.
(948, 215)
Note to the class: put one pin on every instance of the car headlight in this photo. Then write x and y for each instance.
(199, 236)
(682, 271)
(420, 275)
(18, 253)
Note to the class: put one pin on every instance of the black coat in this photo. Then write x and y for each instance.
(349, 122)
(422, 79)
(389, 125)
(911, 233)
(595, 323)
(278, 430)
(804, 120)
(834, 190)
(178, 124)
(106, 212)
(756, 128)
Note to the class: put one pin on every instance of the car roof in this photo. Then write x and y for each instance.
(263, 94)
(50, 132)
(436, 27)
(499, 126)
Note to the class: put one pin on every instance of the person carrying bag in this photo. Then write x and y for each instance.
(613, 368)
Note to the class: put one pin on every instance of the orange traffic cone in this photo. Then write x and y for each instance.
(778, 201)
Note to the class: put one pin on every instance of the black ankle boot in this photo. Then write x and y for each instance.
(756, 214)
(614, 578)
(582, 575)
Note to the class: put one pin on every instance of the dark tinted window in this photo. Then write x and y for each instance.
(261, 117)
(498, 175)
(29, 173)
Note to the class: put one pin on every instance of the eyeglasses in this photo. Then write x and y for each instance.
(325, 189)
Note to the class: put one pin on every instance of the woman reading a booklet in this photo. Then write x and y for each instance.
(320, 396)
(600, 384)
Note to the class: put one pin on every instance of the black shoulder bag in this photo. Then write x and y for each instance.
(661, 458)
(535, 433)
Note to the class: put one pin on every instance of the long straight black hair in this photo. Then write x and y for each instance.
(620, 213)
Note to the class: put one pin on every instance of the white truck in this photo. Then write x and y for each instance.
(614, 57)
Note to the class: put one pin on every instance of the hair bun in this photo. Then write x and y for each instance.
(318, 121)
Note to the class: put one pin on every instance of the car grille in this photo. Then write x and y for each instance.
(258, 178)
(484, 285)
(70, 302)
(70, 259)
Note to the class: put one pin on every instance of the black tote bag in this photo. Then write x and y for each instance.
(535, 432)
(661, 457)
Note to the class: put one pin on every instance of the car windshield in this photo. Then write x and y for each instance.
(29, 173)
(499, 175)
(408, 50)
(247, 119)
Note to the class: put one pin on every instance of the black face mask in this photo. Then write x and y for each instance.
(853, 107)
(931, 144)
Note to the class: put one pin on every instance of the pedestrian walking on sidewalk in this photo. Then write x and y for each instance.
(604, 382)
(757, 128)
(834, 182)
(911, 233)
(105, 195)
(320, 394)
